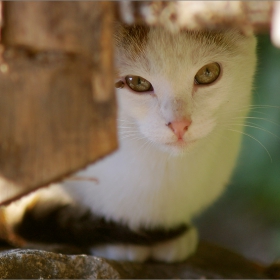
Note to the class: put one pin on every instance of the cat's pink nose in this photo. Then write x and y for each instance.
(179, 127)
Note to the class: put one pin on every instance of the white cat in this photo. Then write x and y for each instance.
(177, 96)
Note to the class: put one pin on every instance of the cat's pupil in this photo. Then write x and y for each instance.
(207, 74)
(138, 84)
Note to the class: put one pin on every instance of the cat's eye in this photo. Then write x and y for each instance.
(207, 74)
(138, 84)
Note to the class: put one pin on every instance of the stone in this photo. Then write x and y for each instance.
(210, 261)
(37, 264)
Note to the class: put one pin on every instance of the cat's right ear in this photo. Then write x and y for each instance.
(131, 38)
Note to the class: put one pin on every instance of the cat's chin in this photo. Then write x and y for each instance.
(178, 148)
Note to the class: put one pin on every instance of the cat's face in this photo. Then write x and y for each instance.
(175, 90)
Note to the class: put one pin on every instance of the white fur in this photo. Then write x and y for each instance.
(171, 251)
(150, 181)
(176, 250)
(120, 252)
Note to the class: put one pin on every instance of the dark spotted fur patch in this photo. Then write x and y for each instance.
(74, 226)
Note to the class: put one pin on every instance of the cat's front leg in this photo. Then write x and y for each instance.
(177, 249)
(123, 252)
(174, 250)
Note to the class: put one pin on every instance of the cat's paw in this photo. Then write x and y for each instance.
(171, 251)
(122, 252)
(177, 249)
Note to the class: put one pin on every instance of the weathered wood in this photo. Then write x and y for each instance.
(52, 120)
(247, 16)
(44, 25)
(275, 25)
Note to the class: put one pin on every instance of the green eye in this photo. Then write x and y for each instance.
(138, 84)
(207, 74)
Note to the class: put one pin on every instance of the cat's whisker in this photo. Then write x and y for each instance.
(251, 108)
(121, 126)
(122, 131)
(123, 120)
(251, 111)
(252, 123)
(143, 144)
(127, 128)
(257, 118)
(258, 112)
(149, 144)
(124, 128)
(126, 122)
(126, 131)
(132, 134)
(253, 126)
(246, 134)
(129, 135)
(132, 137)
(264, 106)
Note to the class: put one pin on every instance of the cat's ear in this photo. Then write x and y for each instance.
(125, 32)
(131, 38)
(119, 30)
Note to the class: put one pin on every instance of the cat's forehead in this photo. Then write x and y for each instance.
(134, 40)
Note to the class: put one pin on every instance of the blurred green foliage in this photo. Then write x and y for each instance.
(258, 176)
(247, 217)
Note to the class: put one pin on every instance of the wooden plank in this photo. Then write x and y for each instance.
(247, 16)
(70, 26)
(52, 120)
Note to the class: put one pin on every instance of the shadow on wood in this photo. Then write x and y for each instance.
(57, 104)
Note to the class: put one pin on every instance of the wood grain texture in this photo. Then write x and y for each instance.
(51, 124)
(247, 16)
(71, 26)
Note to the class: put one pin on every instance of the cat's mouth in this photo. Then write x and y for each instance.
(180, 143)
(179, 147)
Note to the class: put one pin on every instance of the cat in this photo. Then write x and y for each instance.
(177, 97)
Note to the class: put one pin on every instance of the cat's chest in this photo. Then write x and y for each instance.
(145, 187)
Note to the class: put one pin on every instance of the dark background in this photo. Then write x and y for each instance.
(246, 218)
